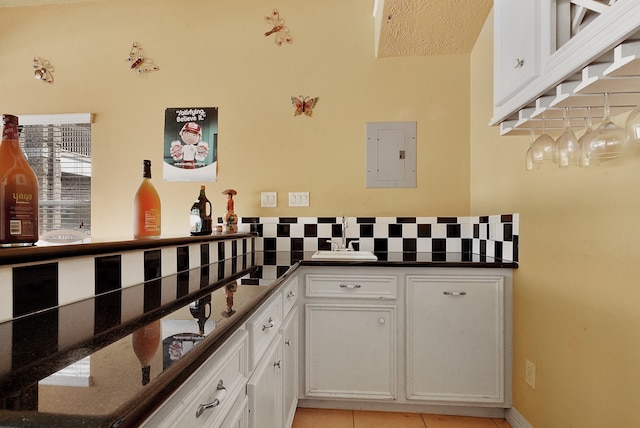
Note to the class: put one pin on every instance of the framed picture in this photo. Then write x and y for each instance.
(190, 144)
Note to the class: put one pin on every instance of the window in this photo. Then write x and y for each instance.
(58, 148)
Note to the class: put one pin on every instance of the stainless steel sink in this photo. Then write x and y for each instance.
(343, 255)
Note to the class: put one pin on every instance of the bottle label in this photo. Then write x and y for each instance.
(195, 220)
(152, 220)
(15, 227)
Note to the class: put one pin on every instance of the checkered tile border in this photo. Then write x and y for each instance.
(32, 287)
(492, 236)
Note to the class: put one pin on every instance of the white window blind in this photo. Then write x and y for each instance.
(58, 148)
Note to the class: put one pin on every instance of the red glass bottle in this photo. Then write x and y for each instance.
(18, 190)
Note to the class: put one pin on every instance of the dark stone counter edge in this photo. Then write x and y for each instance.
(15, 255)
(400, 263)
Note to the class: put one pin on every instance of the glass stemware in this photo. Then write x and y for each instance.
(583, 159)
(543, 148)
(529, 165)
(567, 151)
(633, 133)
(608, 140)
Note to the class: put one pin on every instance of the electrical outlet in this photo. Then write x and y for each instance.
(530, 374)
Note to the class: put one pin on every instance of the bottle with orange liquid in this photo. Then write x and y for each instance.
(18, 190)
(145, 342)
(146, 207)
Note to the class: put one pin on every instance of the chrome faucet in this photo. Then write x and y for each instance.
(344, 232)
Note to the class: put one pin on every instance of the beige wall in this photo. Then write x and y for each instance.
(576, 293)
(214, 54)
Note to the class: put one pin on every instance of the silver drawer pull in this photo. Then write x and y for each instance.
(291, 294)
(350, 285)
(287, 342)
(221, 392)
(268, 325)
(276, 364)
(455, 293)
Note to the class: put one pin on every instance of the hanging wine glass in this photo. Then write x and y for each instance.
(543, 148)
(529, 165)
(567, 144)
(583, 157)
(632, 145)
(608, 140)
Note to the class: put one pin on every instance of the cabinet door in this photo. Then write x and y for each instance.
(290, 366)
(350, 351)
(516, 46)
(265, 389)
(455, 338)
(239, 415)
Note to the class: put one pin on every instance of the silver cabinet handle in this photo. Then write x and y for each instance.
(291, 294)
(268, 325)
(276, 364)
(455, 293)
(350, 285)
(221, 392)
(287, 342)
(519, 63)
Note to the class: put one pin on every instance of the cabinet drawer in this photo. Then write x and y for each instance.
(223, 377)
(345, 286)
(289, 295)
(262, 328)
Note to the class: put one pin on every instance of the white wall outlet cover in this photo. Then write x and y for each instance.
(269, 199)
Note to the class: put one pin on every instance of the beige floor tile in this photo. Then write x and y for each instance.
(440, 421)
(362, 419)
(322, 418)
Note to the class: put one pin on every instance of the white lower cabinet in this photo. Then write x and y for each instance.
(455, 338)
(290, 366)
(350, 337)
(407, 339)
(265, 389)
(209, 395)
(238, 416)
(272, 388)
(351, 351)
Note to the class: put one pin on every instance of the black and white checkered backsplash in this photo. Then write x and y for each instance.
(493, 236)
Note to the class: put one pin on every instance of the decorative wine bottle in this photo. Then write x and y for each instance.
(201, 222)
(145, 342)
(18, 190)
(146, 207)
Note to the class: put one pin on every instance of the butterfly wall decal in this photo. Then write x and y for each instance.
(43, 70)
(277, 27)
(304, 105)
(138, 62)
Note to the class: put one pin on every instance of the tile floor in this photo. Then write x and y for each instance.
(325, 418)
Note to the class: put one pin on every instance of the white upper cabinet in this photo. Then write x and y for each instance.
(517, 46)
(546, 53)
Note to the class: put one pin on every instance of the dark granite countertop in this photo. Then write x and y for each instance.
(15, 255)
(47, 342)
(107, 388)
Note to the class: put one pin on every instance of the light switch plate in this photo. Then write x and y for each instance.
(298, 199)
(269, 199)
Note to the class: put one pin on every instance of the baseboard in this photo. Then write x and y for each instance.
(516, 420)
